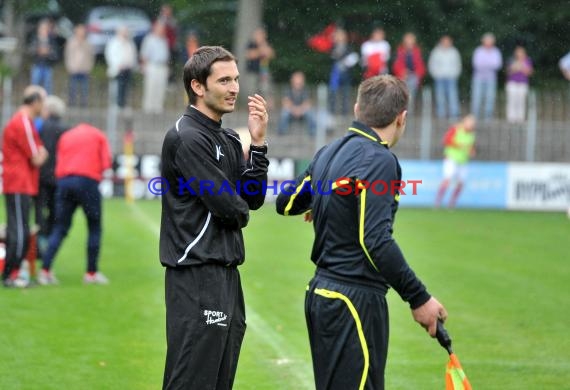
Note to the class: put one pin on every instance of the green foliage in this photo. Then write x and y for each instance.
(5, 70)
(214, 21)
(541, 26)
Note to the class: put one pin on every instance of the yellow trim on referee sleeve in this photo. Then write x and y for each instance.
(361, 227)
(297, 191)
(336, 295)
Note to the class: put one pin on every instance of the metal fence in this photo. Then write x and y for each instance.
(545, 136)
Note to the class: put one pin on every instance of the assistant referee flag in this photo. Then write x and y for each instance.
(455, 378)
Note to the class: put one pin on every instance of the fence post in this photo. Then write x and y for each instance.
(531, 126)
(129, 155)
(322, 116)
(7, 65)
(6, 98)
(426, 125)
(112, 115)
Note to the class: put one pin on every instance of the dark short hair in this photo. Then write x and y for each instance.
(199, 66)
(380, 100)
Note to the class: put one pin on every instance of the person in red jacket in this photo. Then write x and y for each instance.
(23, 153)
(409, 65)
(83, 154)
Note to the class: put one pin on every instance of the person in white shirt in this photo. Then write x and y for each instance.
(375, 53)
(121, 58)
(154, 61)
(564, 65)
(487, 61)
(444, 66)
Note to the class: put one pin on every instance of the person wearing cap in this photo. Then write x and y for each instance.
(23, 153)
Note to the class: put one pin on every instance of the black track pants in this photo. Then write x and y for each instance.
(205, 325)
(348, 332)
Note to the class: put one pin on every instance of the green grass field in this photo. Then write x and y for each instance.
(503, 277)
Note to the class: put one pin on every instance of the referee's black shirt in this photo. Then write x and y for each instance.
(207, 203)
(353, 228)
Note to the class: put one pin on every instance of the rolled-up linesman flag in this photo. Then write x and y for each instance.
(455, 378)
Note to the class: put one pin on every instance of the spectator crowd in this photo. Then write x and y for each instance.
(155, 56)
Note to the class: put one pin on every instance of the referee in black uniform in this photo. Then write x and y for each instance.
(212, 189)
(357, 259)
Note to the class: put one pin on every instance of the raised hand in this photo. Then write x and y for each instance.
(257, 119)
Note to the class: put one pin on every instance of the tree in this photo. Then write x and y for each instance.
(249, 17)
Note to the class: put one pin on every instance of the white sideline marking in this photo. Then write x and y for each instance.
(262, 330)
(299, 369)
(483, 362)
(148, 222)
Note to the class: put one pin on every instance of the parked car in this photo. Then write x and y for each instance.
(103, 21)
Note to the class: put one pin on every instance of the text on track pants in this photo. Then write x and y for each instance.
(205, 325)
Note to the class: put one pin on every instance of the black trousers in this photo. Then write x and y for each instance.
(71, 192)
(348, 333)
(17, 231)
(205, 325)
(45, 208)
(123, 86)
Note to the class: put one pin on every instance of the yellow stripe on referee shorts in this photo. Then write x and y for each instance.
(297, 191)
(336, 295)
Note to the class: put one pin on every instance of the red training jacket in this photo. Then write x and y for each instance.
(83, 151)
(20, 142)
(399, 66)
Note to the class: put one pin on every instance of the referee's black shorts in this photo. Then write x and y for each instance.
(348, 332)
(205, 325)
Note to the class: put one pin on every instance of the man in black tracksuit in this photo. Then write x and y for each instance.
(51, 130)
(212, 189)
(351, 192)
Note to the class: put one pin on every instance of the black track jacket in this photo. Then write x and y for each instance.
(353, 224)
(211, 190)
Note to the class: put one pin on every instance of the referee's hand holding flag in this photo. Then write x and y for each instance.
(428, 314)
